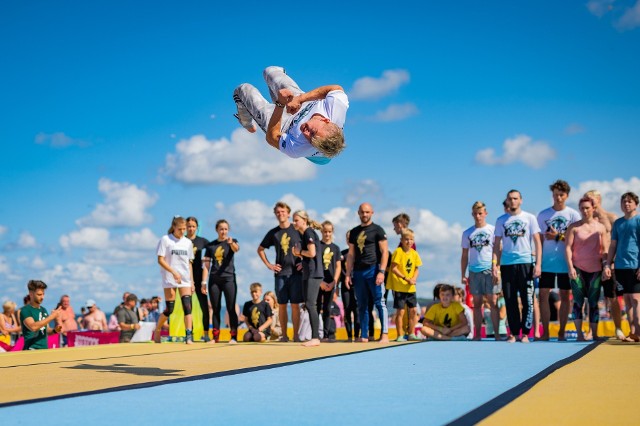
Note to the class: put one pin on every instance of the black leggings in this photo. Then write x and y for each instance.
(226, 285)
(324, 305)
(310, 289)
(350, 307)
(518, 279)
(204, 306)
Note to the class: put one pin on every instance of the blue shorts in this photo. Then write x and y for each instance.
(289, 288)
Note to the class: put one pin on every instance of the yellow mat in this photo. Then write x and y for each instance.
(600, 388)
(54, 373)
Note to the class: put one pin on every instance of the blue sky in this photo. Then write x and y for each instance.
(117, 116)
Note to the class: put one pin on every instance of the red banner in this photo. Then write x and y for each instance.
(91, 338)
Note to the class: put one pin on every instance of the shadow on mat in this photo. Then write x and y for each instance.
(128, 369)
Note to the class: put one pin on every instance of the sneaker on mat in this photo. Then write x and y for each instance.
(401, 339)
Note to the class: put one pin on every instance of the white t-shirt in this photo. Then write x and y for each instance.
(479, 242)
(517, 237)
(294, 144)
(178, 253)
(553, 259)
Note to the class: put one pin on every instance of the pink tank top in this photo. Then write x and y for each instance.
(587, 251)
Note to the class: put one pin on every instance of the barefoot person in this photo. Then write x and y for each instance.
(609, 285)
(554, 222)
(516, 244)
(175, 254)
(477, 252)
(366, 263)
(312, 269)
(625, 252)
(310, 127)
(586, 251)
(286, 270)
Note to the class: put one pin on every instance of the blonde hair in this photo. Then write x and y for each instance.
(272, 295)
(478, 205)
(177, 220)
(8, 305)
(328, 223)
(407, 233)
(333, 144)
(310, 222)
(593, 193)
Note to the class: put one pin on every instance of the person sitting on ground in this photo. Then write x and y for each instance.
(95, 320)
(445, 320)
(257, 315)
(276, 328)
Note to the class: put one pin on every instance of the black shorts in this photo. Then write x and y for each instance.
(610, 288)
(548, 280)
(629, 280)
(400, 300)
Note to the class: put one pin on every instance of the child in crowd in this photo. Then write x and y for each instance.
(461, 297)
(445, 320)
(257, 315)
(276, 328)
(405, 262)
(502, 316)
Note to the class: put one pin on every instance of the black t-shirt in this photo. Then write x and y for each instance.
(311, 266)
(257, 313)
(365, 241)
(199, 244)
(330, 257)
(221, 255)
(343, 264)
(283, 240)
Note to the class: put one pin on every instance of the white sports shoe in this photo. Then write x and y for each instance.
(619, 334)
(243, 116)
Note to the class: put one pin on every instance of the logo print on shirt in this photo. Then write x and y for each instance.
(559, 223)
(408, 266)
(361, 239)
(515, 230)
(326, 257)
(255, 317)
(480, 241)
(300, 115)
(284, 243)
(219, 255)
(447, 321)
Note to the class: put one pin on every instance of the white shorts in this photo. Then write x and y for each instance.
(174, 285)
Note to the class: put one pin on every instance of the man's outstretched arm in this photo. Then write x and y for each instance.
(321, 92)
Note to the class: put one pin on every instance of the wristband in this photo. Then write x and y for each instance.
(279, 105)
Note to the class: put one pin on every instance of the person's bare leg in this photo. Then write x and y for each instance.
(477, 317)
(284, 320)
(169, 296)
(413, 320)
(563, 313)
(398, 319)
(616, 316)
(295, 314)
(545, 313)
(495, 315)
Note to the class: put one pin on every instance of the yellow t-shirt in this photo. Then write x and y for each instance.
(407, 262)
(445, 317)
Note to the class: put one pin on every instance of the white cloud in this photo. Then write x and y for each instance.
(91, 238)
(38, 263)
(521, 149)
(367, 88)
(610, 191)
(396, 112)
(145, 239)
(245, 160)
(125, 205)
(599, 7)
(630, 19)
(58, 140)
(358, 191)
(3, 231)
(26, 240)
(5, 268)
(75, 275)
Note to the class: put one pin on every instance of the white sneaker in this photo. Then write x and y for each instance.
(619, 334)
(243, 116)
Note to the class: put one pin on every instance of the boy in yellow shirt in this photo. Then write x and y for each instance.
(446, 320)
(405, 262)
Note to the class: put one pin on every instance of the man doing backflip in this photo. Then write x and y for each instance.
(311, 126)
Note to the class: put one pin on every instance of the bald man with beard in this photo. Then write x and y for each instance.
(366, 262)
